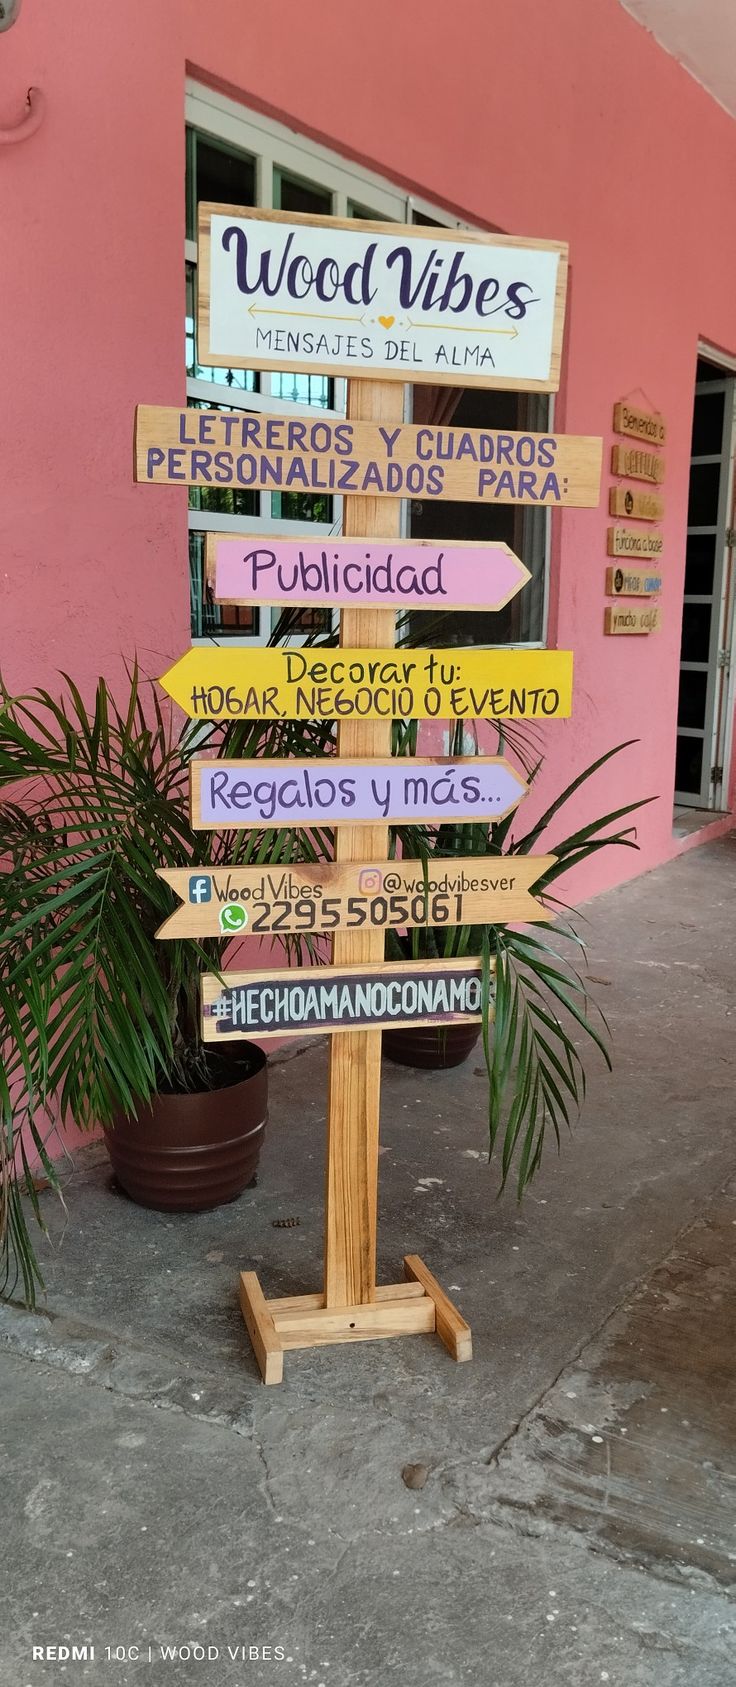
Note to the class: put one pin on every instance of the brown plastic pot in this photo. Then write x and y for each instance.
(185, 1153)
(435, 1046)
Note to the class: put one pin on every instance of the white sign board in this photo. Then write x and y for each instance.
(278, 290)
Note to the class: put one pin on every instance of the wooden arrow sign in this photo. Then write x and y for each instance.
(407, 574)
(330, 896)
(297, 454)
(347, 998)
(319, 683)
(337, 792)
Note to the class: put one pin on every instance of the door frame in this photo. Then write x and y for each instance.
(721, 683)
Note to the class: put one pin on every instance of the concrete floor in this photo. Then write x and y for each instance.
(577, 1524)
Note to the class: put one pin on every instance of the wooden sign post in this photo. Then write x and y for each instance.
(381, 304)
(353, 1106)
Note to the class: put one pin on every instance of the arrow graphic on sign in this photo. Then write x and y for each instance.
(509, 333)
(334, 792)
(311, 315)
(344, 895)
(317, 682)
(407, 574)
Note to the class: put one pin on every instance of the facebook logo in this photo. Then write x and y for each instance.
(200, 889)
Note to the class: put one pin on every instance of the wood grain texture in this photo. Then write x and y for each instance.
(634, 542)
(624, 581)
(642, 506)
(407, 231)
(194, 447)
(623, 621)
(354, 1086)
(637, 463)
(313, 1302)
(451, 1328)
(647, 425)
(503, 898)
(322, 1327)
(260, 1326)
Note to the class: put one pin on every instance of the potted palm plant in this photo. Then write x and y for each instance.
(539, 998)
(102, 1019)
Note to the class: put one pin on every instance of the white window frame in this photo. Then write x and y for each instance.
(273, 146)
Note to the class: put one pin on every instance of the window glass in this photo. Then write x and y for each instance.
(238, 380)
(290, 193)
(362, 214)
(689, 765)
(708, 424)
(695, 632)
(216, 173)
(692, 698)
(210, 619)
(516, 525)
(705, 485)
(700, 562)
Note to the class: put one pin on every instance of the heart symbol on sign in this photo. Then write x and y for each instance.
(387, 321)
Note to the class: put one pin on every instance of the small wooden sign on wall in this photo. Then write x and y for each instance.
(637, 464)
(640, 506)
(632, 582)
(628, 541)
(631, 620)
(647, 425)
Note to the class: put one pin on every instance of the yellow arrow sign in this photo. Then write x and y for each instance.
(327, 684)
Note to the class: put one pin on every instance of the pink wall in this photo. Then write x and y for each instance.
(563, 122)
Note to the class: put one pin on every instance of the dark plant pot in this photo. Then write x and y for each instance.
(436, 1046)
(185, 1153)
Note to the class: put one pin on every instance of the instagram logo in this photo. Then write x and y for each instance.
(370, 880)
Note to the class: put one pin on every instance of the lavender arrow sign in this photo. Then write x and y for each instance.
(335, 792)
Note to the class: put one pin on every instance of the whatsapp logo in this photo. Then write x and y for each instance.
(232, 918)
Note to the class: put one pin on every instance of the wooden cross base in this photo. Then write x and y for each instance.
(416, 1307)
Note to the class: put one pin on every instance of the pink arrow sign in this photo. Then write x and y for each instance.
(406, 574)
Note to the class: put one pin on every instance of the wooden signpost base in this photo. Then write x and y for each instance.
(417, 1307)
(353, 1307)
